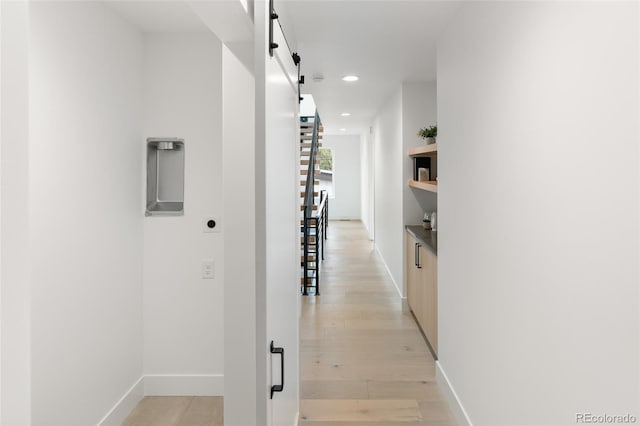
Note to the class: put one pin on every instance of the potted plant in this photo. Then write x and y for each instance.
(429, 134)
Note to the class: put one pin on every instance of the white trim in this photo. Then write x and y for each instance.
(184, 385)
(462, 418)
(125, 405)
(297, 419)
(405, 305)
(389, 272)
(163, 385)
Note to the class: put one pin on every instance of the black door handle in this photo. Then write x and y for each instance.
(418, 255)
(280, 387)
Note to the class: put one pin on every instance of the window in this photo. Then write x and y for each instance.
(325, 156)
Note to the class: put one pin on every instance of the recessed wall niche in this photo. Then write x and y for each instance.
(165, 177)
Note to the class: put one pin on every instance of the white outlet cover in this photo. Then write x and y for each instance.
(205, 226)
(208, 270)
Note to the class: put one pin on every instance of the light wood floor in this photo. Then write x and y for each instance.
(177, 411)
(363, 359)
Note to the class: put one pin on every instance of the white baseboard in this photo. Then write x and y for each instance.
(124, 406)
(184, 385)
(462, 418)
(395, 284)
(163, 385)
(405, 305)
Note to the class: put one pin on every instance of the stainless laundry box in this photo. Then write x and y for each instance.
(165, 177)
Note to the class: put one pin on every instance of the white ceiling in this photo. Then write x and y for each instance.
(383, 42)
(227, 19)
(153, 16)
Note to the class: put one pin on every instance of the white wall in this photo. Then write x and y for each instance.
(418, 111)
(307, 106)
(367, 181)
(72, 214)
(388, 155)
(346, 176)
(14, 290)
(183, 313)
(239, 260)
(538, 201)
(395, 128)
(85, 211)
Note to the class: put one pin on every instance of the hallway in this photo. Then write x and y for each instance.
(363, 359)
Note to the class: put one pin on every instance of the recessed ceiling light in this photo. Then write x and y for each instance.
(343, 130)
(350, 78)
(345, 114)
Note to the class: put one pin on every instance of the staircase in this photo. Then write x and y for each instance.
(314, 205)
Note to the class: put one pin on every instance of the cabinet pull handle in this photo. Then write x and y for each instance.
(415, 254)
(418, 245)
(280, 351)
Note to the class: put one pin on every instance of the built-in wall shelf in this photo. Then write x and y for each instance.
(430, 185)
(425, 156)
(424, 150)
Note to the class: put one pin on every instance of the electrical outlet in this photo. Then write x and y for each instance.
(208, 270)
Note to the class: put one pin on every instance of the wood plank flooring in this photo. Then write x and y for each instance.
(177, 411)
(363, 359)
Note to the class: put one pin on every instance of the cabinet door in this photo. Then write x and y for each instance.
(411, 272)
(420, 267)
(429, 297)
(434, 303)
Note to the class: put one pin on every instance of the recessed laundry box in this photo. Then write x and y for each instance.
(165, 177)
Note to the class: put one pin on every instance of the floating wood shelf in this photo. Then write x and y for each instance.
(431, 185)
(424, 150)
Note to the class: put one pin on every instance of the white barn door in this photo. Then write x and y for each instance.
(280, 249)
